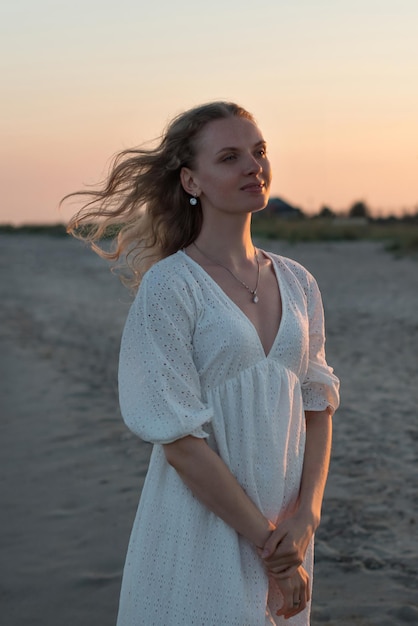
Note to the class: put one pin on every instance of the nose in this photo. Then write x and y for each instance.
(252, 164)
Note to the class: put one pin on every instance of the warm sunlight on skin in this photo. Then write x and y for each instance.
(332, 86)
(232, 173)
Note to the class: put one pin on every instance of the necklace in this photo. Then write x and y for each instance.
(253, 292)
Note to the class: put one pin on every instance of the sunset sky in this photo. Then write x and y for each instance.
(332, 83)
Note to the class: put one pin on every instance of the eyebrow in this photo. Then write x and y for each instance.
(235, 149)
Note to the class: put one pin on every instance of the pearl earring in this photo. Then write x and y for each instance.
(193, 201)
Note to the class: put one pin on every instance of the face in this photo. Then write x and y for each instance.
(232, 172)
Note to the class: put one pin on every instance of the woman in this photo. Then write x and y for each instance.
(222, 368)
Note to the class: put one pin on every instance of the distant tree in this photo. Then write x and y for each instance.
(359, 209)
(326, 212)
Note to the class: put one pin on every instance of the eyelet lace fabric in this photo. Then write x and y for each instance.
(192, 363)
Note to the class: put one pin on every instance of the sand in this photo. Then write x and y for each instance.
(72, 474)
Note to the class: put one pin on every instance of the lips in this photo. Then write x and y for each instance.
(253, 187)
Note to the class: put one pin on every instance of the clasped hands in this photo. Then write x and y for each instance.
(283, 555)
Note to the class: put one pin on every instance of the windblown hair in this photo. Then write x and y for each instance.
(143, 198)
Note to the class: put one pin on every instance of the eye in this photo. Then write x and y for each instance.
(229, 157)
(262, 152)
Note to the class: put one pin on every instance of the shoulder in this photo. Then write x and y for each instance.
(169, 268)
(170, 274)
(170, 280)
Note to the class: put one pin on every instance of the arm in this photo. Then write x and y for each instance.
(285, 549)
(161, 397)
(287, 546)
(315, 465)
(210, 480)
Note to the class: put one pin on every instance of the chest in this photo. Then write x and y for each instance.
(232, 333)
(259, 301)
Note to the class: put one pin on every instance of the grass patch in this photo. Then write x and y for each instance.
(54, 230)
(400, 237)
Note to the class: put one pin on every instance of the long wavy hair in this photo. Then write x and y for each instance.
(142, 198)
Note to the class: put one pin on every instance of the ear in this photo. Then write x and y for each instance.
(189, 181)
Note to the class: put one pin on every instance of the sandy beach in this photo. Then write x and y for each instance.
(72, 473)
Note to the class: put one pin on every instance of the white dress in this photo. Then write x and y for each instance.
(192, 363)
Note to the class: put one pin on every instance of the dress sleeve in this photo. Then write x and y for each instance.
(159, 386)
(320, 389)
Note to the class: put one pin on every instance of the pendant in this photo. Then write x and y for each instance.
(255, 298)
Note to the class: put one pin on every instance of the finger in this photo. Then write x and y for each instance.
(271, 544)
(298, 605)
(286, 609)
(285, 551)
(287, 593)
(283, 554)
(308, 590)
(289, 613)
(281, 574)
(299, 589)
(278, 567)
(299, 600)
(283, 563)
(306, 586)
(283, 558)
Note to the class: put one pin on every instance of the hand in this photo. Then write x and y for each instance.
(296, 593)
(284, 551)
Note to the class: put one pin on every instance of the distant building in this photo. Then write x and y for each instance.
(281, 208)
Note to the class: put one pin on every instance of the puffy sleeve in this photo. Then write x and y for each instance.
(159, 386)
(320, 389)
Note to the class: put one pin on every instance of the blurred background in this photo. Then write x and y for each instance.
(332, 84)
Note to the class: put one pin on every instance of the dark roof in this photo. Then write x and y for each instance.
(277, 206)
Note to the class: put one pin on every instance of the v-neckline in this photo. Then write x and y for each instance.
(238, 309)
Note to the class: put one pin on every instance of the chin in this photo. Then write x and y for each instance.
(261, 205)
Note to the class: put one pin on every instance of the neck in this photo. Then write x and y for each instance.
(228, 242)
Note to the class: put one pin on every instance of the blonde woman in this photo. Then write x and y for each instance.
(222, 368)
